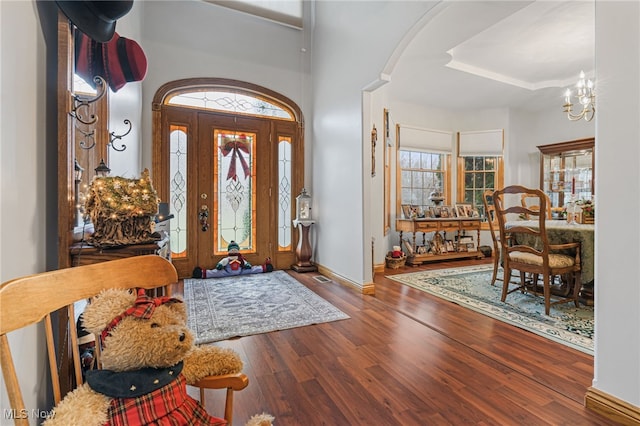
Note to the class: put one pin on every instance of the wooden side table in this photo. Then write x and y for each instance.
(303, 251)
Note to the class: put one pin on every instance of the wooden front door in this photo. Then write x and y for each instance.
(223, 181)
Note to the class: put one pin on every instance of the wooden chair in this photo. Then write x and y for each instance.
(540, 259)
(492, 220)
(57, 291)
(531, 203)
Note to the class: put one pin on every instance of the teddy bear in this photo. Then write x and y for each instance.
(233, 264)
(148, 358)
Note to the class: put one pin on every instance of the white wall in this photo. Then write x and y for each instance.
(352, 43)
(126, 104)
(185, 39)
(617, 293)
(22, 159)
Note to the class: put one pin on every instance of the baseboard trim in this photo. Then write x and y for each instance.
(366, 288)
(379, 269)
(611, 407)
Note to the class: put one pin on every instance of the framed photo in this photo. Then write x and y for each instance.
(429, 212)
(463, 210)
(445, 211)
(450, 246)
(408, 247)
(475, 213)
(406, 211)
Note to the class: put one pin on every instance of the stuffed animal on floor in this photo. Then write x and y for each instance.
(148, 358)
(233, 264)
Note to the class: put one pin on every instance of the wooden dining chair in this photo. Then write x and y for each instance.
(57, 292)
(539, 259)
(492, 220)
(531, 203)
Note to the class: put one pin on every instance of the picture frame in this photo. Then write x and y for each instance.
(406, 211)
(445, 212)
(450, 246)
(408, 247)
(463, 210)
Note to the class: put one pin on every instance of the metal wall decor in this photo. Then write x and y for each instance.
(113, 137)
(374, 140)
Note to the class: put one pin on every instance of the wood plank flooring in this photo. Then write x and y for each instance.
(408, 358)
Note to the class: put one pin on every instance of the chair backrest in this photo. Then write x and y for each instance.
(505, 213)
(56, 292)
(531, 202)
(490, 212)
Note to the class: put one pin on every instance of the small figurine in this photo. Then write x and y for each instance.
(233, 264)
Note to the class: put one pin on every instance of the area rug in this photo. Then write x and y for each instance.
(471, 287)
(222, 308)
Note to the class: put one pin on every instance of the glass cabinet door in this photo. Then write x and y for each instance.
(567, 171)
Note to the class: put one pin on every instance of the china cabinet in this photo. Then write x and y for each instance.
(567, 170)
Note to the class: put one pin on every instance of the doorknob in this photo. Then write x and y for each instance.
(203, 217)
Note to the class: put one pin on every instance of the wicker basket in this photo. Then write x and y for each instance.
(587, 220)
(395, 262)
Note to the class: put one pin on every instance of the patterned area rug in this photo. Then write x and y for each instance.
(470, 287)
(222, 308)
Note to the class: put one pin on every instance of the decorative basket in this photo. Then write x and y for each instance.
(395, 262)
(587, 220)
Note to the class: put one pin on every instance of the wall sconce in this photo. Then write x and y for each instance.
(586, 98)
(102, 170)
(303, 206)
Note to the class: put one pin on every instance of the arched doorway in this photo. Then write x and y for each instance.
(228, 160)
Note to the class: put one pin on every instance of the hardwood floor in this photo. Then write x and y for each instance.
(408, 358)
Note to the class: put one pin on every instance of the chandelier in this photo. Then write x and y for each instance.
(585, 98)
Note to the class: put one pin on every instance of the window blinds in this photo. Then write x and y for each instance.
(426, 140)
(483, 143)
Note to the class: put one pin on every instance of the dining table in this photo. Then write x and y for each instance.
(559, 232)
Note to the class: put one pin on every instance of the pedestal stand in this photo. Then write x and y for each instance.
(303, 252)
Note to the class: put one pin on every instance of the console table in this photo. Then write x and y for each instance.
(427, 225)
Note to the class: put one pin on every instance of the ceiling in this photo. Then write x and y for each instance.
(490, 54)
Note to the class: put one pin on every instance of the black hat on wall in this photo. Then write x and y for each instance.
(97, 19)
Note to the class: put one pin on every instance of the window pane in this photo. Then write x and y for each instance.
(479, 175)
(178, 190)
(415, 160)
(231, 102)
(405, 159)
(479, 163)
(478, 180)
(284, 194)
(468, 163)
(419, 176)
(235, 203)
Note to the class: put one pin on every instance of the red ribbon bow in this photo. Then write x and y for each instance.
(234, 146)
(143, 307)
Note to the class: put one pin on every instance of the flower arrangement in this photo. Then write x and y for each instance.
(588, 208)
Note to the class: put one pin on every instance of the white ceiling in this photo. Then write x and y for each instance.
(490, 54)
